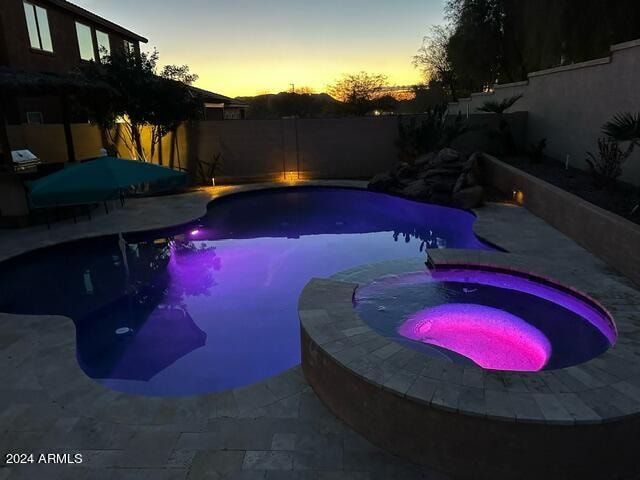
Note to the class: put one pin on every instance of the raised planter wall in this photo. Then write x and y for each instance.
(610, 237)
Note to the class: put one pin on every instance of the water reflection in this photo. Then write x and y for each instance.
(151, 310)
(212, 305)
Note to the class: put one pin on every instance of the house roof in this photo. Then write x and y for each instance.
(17, 82)
(81, 12)
(216, 97)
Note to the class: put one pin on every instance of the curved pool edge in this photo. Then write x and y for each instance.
(43, 363)
(196, 206)
(133, 217)
(202, 200)
(427, 410)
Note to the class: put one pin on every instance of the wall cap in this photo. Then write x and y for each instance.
(561, 68)
(573, 66)
(625, 45)
(522, 83)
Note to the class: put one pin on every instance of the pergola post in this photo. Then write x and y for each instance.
(66, 120)
(5, 145)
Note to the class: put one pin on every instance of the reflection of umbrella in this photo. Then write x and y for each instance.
(96, 181)
(123, 251)
(167, 335)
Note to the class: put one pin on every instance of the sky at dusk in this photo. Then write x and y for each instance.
(246, 47)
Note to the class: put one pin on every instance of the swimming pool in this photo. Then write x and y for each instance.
(212, 305)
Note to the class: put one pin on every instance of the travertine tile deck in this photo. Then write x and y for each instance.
(276, 429)
(587, 399)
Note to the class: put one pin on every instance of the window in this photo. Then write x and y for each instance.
(104, 47)
(128, 47)
(34, 118)
(38, 27)
(85, 42)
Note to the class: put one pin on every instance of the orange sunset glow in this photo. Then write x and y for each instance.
(250, 47)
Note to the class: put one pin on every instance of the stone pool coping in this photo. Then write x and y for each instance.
(140, 215)
(604, 389)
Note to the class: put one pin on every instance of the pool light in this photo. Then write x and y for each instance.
(492, 338)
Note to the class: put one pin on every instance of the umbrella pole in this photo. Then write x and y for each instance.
(106, 208)
(68, 135)
(122, 243)
(5, 145)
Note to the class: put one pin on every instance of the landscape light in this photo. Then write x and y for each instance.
(290, 176)
(518, 197)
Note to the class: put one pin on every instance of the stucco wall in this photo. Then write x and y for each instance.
(610, 237)
(352, 147)
(319, 148)
(568, 105)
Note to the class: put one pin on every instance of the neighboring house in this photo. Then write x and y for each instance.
(53, 36)
(219, 107)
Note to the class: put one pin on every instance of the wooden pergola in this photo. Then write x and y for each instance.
(16, 83)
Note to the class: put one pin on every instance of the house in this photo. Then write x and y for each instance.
(219, 107)
(53, 36)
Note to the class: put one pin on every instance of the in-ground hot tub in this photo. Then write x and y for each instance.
(432, 387)
(495, 319)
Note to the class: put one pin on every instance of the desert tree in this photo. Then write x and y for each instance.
(358, 91)
(142, 97)
(432, 59)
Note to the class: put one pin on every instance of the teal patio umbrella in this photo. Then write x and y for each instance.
(97, 181)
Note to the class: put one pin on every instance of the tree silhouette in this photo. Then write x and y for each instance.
(358, 91)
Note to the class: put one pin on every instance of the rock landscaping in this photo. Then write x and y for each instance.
(447, 177)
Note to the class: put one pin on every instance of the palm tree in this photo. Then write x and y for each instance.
(492, 106)
(624, 127)
(504, 129)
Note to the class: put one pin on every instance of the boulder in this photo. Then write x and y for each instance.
(447, 155)
(441, 197)
(404, 170)
(417, 189)
(472, 179)
(468, 197)
(460, 183)
(465, 180)
(442, 186)
(381, 182)
(446, 177)
(473, 164)
(425, 159)
(441, 172)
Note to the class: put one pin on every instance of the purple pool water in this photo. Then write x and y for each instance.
(213, 305)
(497, 320)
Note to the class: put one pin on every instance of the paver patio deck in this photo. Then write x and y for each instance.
(275, 429)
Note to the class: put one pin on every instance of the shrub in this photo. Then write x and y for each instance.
(503, 134)
(607, 166)
(205, 171)
(491, 106)
(429, 132)
(624, 127)
(536, 155)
